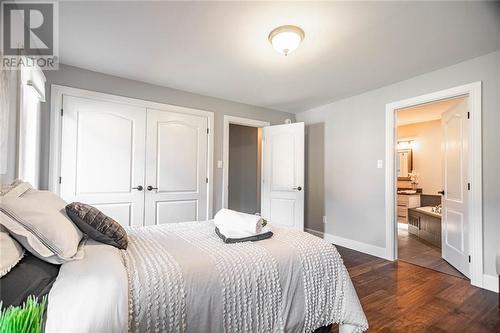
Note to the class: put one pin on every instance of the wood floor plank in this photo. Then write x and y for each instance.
(402, 297)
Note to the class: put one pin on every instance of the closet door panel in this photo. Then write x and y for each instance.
(102, 156)
(176, 167)
(177, 157)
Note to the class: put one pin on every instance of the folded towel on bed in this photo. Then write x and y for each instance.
(264, 234)
(231, 220)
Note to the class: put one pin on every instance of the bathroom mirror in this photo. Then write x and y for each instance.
(405, 163)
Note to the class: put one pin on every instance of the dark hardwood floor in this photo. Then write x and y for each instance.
(401, 297)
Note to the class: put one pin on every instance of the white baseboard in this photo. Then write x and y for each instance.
(373, 250)
(403, 226)
(317, 233)
(490, 282)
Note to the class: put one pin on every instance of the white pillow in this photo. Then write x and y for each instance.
(10, 252)
(37, 220)
(7, 189)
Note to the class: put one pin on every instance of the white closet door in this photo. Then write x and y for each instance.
(282, 197)
(176, 167)
(455, 219)
(102, 157)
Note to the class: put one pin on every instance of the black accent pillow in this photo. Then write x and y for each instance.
(31, 276)
(97, 225)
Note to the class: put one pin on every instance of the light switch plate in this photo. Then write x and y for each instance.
(380, 164)
(219, 164)
(324, 219)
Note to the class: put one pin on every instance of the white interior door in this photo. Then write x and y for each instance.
(102, 157)
(455, 219)
(282, 199)
(176, 167)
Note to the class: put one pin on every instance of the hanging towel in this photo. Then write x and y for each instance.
(234, 222)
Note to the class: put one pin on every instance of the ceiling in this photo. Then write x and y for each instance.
(220, 49)
(426, 112)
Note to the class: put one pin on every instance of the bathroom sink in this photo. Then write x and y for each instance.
(407, 192)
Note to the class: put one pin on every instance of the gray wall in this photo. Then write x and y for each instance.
(84, 79)
(244, 178)
(355, 140)
(315, 180)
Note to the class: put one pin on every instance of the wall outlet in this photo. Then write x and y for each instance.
(380, 164)
(324, 219)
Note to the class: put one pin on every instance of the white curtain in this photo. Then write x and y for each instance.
(5, 76)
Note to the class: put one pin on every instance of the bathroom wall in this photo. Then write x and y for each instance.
(426, 138)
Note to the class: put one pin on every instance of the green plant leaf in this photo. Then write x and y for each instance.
(27, 318)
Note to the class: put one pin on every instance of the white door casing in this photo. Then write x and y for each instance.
(455, 219)
(176, 167)
(282, 200)
(102, 157)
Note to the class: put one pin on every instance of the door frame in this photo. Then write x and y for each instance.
(225, 149)
(473, 91)
(56, 114)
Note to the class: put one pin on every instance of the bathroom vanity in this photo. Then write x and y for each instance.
(424, 223)
(406, 201)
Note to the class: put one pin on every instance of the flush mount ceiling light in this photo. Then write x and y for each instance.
(286, 38)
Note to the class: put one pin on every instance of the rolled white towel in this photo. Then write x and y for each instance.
(227, 219)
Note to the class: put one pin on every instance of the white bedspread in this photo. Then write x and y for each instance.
(90, 295)
(182, 278)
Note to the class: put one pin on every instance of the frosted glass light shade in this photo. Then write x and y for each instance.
(286, 39)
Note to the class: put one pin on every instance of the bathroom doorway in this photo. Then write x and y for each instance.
(421, 131)
(433, 210)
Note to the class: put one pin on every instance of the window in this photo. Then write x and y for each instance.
(32, 92)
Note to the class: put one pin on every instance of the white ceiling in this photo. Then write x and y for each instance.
(221, 49)
(426, 112)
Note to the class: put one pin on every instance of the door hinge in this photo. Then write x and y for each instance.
(62, 112)
(60, 180)
(469, 259)
(468, 115)
(206, 180)
(468, 186)
(208, 130)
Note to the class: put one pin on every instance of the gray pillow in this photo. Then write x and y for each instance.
(97, 225)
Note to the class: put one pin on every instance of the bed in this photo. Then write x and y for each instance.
(182, 278)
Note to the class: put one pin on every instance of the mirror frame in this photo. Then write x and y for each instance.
(410, 164)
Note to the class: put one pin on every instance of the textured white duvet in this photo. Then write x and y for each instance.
(182, 278)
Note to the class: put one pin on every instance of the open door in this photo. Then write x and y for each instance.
(455, 219)
(282, 196)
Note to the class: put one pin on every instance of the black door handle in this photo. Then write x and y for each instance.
(298, 188)
(151, 188)
(441, 192)
(138, 188)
